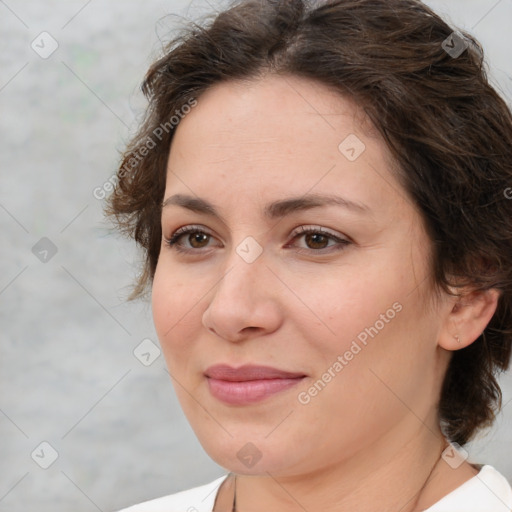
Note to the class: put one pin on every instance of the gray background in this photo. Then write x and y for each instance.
(67, 368)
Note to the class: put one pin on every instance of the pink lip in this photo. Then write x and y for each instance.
(248, 384)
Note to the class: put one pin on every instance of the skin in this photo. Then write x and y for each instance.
(371, 435)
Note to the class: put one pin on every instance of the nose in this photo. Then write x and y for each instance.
(244, 301)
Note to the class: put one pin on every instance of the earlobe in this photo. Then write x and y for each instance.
(467, 319)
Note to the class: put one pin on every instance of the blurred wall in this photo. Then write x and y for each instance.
(76, 394)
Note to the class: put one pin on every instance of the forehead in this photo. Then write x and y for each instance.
(277, 135)
(258, 110)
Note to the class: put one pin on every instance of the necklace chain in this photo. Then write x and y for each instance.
(233, 508)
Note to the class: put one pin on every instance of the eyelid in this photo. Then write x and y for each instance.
(191, 228)
(317, 229)
(296, 231)
(183, 231)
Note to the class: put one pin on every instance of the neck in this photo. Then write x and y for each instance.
(395, 478)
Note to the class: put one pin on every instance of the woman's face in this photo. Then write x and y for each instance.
(333, 292)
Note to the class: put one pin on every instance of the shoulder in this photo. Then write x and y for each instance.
(488, 491)
(197, 499)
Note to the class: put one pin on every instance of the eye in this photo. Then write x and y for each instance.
(317, 239)
(197, 239)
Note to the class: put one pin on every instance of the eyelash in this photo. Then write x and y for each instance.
(172, 242)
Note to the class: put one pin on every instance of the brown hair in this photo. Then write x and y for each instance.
(448, 130)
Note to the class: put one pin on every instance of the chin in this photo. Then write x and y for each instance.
(240, 455)
(256, 458)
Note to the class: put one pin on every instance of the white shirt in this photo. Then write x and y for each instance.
(488, 491)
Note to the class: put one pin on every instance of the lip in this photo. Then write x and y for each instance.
(248, 384)
(248, 372)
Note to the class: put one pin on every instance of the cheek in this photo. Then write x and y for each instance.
(363, 381)
(373, 318)
(382, 348)
(162, 303)
(337, 307)
(174, 314)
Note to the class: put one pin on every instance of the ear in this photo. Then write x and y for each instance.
(466, 318)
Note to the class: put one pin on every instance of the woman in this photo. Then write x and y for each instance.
(321, 194)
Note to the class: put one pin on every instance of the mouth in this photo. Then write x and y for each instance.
(249, 384)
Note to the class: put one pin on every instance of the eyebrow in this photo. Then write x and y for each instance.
(274, 210)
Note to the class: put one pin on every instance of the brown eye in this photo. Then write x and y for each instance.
(316, 241)
(197, 239)
(189, 239)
